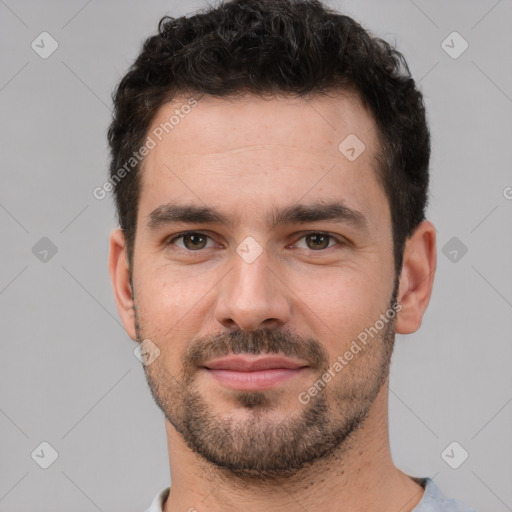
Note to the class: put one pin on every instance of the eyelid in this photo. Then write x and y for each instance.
(170, 240)
(342, 241)
(338, 238)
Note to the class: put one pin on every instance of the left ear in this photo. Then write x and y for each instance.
(416, 278)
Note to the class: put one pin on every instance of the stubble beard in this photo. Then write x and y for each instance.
(264, 446)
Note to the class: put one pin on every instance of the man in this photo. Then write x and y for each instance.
(270, 170)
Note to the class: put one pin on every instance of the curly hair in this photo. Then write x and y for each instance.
(270, 47)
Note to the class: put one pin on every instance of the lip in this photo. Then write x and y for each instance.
(251, 363)
(244, 372)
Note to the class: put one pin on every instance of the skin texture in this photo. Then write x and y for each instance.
(303, 296)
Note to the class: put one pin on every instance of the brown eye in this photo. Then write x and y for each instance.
(192, 241)
(318, 241)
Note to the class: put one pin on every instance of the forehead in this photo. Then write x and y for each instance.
(232, 152)
(315, 123)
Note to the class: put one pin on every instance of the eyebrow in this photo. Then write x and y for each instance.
(337, 211)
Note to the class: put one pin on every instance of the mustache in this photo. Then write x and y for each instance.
(262, 341)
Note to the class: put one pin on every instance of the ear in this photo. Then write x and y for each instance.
(120, 277)
(416, 278)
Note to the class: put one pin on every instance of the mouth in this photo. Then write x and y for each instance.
(245, 372)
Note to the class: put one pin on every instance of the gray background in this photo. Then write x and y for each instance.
(68, 375)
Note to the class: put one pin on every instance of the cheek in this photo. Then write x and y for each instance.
(169, 290)
(169, 305)
(341, 305)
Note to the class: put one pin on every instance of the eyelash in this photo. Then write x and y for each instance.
(340, 241)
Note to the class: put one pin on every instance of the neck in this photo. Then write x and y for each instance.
(357, 477)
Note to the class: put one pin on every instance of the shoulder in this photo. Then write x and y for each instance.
(434, 501)
(157, 505)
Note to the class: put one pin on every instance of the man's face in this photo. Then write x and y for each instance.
(303, 289)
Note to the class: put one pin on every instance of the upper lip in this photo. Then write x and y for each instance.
(245, 363)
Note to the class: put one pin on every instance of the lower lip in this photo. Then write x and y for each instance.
(255, 380)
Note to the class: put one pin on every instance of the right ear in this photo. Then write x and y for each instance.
(120, 277)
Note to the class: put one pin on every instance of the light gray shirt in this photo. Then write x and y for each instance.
(432, 500)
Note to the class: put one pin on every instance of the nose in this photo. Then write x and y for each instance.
(253, 296)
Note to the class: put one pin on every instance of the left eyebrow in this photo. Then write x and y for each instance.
(337, 211)
(333, 211)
